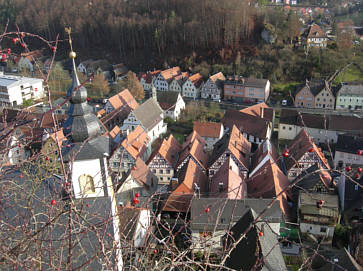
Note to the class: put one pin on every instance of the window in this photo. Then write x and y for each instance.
(223, 220)
(86, 184)
(322, 229)
(161, 171)
(290, 128)
(283, 127)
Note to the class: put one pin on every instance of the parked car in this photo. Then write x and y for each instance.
(284, 102)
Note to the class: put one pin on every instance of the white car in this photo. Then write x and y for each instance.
(284, 102)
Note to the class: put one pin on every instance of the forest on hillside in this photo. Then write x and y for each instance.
(199, 35)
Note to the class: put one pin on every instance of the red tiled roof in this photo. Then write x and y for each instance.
(135, 143)
(261, 110)
(299, 147)
(268, 182)
(196, 80)
(234, 186)
(191, 177)
(315, 31)
(208, 129)
(170, 73)
(168, 150)
(217, 76)
(142, 174)
(114, 132)
(124, 98)
(264, 149)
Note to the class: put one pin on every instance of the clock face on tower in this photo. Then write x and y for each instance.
(86, 184)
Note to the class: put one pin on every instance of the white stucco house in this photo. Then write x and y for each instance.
(172, 103)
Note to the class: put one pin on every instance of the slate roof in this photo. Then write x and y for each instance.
(236, 144)
(149, 114)
(190, 177)
(247, 82)
(208, 129)
(314, 86)
(261, 110)
(167, 99)
(349, 143)
(226, 212)
(247, 123)
(269, 254)
(301, 145)
(351, 90)
(330, 122)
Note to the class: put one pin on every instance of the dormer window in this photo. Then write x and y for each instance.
(86, 184)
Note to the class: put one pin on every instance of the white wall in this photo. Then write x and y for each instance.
(90, 167)
(142, 228)
(348, 158)
(316, 229)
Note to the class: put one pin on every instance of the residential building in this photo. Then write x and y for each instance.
(302, 154)
(134, 224)
(118, 71)
(147, 79)
(318, 214)
(193, 149)
(254, 129)
(14, 90)
(314, 36)
(242, 89)
(172, 103)
(347, 150)
(192, 86)
(82, 67)
(322, 128)
(257, 248)
(121, 99)
(163, 161)
(261, 110)
(149, 116)
(228, 182)
(233, 145)
(138, 180)
(96, 67)
(190, 181)
(213, 88)
(26, 61)
(164, 79)
(178, 82)
(125, 154)
(315, 94)
(268, 181)
(211, 132)
(350, 97)
(211, 218)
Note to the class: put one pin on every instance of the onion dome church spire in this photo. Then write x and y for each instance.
(81, 123)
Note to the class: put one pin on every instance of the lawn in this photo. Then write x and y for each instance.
(352, 73)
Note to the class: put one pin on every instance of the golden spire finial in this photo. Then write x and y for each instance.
(72, 54)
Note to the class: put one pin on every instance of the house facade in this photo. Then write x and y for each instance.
(147, 79)
(315, 94)
(350, 97)
(149, 116)
(242, 89)
(318, 214)
(178, 81)
(314, 36)
(192, 86)
(165, 77)
(172, 103)
(125, 154)
(14, 90)
(211, 132)
(163, 161)
(347, 150)
(213, 88)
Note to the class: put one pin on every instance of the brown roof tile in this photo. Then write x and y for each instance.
(169, 74)
(299, 147)
(135, 143)
(124, 98)
(168, 150)
(143, 175)
(190, 177)
(232, 182)
(316, 32)
(249, 124)
(208, 129)
(261, 110)
(196, 80)
(114, 132)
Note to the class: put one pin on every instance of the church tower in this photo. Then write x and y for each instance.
(87, 147)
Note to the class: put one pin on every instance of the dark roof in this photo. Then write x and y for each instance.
(248, 82)
(148, 113)
(230, 210)
(98, 147)
(351, 90)
(261, 110)
(314, 86)
(167, 99)
(330, 122)
(345, 262)
(246, 123)
(262, 251)
(349, 143)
